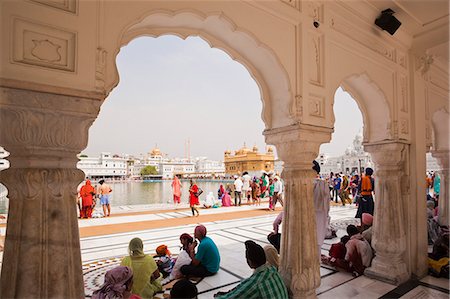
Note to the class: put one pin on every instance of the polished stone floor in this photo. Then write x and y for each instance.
(100, 253)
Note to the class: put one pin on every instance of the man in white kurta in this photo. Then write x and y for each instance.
(321, 206)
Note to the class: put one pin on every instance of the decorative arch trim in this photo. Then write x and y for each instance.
(374, 107)
(241, 45)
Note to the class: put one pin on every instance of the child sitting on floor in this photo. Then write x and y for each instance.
(164, 260)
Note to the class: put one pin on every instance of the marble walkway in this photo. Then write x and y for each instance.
(102, 252)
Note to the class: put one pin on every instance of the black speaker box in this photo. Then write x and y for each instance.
(387, 21)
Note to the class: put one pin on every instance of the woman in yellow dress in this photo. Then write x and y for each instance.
(147, 279)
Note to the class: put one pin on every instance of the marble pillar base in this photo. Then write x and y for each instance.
(391, 272)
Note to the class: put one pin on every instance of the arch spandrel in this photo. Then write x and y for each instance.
(242, 46)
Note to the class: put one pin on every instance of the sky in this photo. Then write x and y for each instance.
(173, 90)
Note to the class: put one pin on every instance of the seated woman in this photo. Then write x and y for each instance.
(118, 282)
(147, 279)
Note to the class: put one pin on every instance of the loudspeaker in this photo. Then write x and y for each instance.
(387, 21)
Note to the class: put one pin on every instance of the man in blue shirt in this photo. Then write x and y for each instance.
(337, 187)
(207, 260)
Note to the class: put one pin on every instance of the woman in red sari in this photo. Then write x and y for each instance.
(193, 198)
(87, 193)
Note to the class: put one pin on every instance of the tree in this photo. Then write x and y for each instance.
(149, 170)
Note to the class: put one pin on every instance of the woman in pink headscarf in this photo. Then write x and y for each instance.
(176, 186)
(226, 198)
(118, 282)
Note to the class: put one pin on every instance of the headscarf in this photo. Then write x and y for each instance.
(136, 247)
(187, 236)
(201, 230)
(176, 185)
(117, 283)
(222, 190)
(367, 219)
(272, 257)
(87, 189)
(162, 250)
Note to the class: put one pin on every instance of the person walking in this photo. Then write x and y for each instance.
(176, 187)
(336, 187)
(237, 190)
(105, 194)
(193, 197)
(277, 192)
(246, 187)
(366, 188)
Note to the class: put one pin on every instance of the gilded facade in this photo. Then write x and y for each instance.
(250, 160)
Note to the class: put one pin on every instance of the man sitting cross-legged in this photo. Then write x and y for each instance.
(265, 282)
(207, 260)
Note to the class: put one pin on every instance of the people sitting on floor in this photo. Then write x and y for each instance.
(118, 282)
(272, 256)
(183, 289)
(182, 259)
(438, 259)
(366, 227)
(207, 259)
(432, 223)
(147, 279)
(164, 260)
(336, 254)
(265, 281)
(359, 253)
(275, 237)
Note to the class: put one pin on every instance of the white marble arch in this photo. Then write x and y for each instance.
(220, 32)
(373, 106)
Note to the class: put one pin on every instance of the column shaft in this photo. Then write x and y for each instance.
(389, 237)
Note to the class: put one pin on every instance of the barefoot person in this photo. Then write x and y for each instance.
(176, 187)
(193, 197)
(105, 192)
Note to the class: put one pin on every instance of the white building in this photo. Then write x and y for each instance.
(209, 167)
(104, 166)
(355, 160)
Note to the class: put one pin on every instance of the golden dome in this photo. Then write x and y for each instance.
(155, 152)
(255, 148)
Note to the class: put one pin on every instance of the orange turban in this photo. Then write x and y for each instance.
(162, 250)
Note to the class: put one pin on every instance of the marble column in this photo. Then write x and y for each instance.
(389, 236)
(443, 157)
(298, 146)
(43, 132)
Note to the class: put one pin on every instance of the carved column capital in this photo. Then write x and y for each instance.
(298, 145)
(44, 129)
(387, 156)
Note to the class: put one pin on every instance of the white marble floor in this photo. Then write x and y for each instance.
(100, 253)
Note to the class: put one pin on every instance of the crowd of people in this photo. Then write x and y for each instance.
(438, 235)
(142, 275)
(244, 187)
